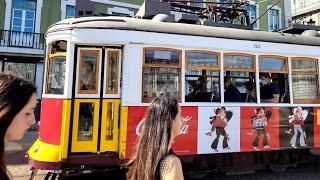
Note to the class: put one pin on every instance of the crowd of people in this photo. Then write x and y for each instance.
(269, 91)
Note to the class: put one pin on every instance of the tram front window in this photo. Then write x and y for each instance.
(56, 74)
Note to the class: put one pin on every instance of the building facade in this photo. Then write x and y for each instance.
(23, 24)
(306, 12)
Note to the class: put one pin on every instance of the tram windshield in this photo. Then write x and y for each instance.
(56, 74)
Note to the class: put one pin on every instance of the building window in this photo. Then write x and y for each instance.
(120, 14)
(24, 70)
(252, 12)
(161, 73)
(202, 77)
(274, 19)
(70, 11)
(305, 80)
(23, 15)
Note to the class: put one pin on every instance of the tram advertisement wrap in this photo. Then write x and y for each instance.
(316, 127)
(185, 144)
(219, 129)
(237, 129)
(259, 128)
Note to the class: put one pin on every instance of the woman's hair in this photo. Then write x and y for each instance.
(14, 95)
(153, 144)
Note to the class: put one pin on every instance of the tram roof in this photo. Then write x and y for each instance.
(134, 24)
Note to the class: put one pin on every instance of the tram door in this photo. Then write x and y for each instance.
(97, 99)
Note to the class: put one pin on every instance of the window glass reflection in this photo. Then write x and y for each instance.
(270, 63)
(85, 126)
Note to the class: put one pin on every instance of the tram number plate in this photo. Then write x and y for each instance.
(256, 46)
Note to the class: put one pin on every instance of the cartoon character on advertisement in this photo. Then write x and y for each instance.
(259, 124)
(297, 121)
(218, 123)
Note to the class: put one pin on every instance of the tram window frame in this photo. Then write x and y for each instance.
(306, 72)
(115, 91)
(97, 71)
(178, 67)
(284, 71)
(203, 68)
(252, 70)
(48, 70)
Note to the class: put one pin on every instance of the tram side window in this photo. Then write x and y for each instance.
(239, 80)
(305, 84)
(202, 77)
(274, 86)
(89, 65)
(161, 73)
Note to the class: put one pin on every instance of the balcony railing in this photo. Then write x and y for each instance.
(21, 39)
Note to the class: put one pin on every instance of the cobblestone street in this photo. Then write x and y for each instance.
(15, 159)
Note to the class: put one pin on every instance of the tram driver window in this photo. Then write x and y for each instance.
(239, 80)
(273, 77)
(305, 82)
(56, 67)
(202, 77)
(161, 73)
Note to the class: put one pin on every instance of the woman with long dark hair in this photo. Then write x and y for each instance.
(17, 103)
(154, 158)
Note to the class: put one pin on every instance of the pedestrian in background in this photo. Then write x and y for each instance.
(17, 103)
(154, 158)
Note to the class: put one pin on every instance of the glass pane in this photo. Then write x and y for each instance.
(109, 121)
(113, 71)
(70, 11)
(17, 13)
(240, 87)
(305, 87)
(30, 5)
(86, 111)
(17, 22)
(238, 62)
(202, 86)
(30, 30)
(299, 65)
(162, 57)
(88, 70)
(202, 59)
(270, 63)
(30, 14)
(24, 70)
(18, 4)
(28, 23)
(56, 75)
(160, 81)
(16, 28)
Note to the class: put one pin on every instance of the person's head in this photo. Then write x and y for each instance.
(265, 78)
(162, 123)
(227, 82)
(201, 81)
(17, 103)
(89, 67)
